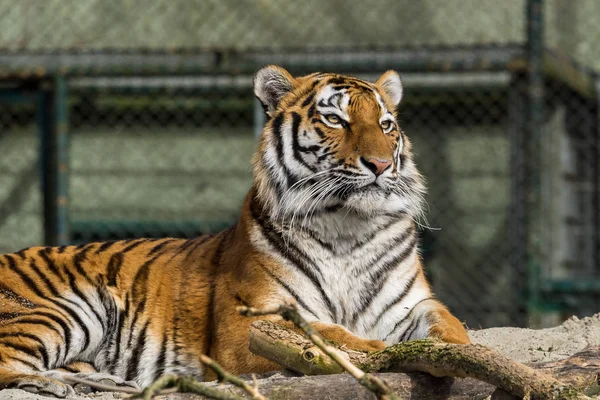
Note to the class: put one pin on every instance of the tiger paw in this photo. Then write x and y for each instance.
(42, 386)
(98, 377)
(370, 345)
(92, 377)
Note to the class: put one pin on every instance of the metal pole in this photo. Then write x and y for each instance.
(54, 155)
(62, 158)
(535, 109)
(517, 232)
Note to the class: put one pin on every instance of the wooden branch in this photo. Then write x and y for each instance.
(289, 311)
(225, 376)
(185, 384)
(170, 384)
(436, 358)
(581, 370)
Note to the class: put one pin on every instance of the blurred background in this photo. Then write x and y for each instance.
(131, 118)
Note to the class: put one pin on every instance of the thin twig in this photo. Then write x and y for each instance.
(225, 376)
(184, 384)
(289, 311)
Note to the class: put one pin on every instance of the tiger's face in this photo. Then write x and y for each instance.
(332, 142)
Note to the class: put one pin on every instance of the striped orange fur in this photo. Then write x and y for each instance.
(329, 221)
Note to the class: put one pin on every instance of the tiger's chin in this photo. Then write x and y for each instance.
(373, 200)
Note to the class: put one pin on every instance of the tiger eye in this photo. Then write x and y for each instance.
(332, 119)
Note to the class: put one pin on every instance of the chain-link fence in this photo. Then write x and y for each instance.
(162, 124)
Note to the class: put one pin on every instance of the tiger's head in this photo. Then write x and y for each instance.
(331, 142)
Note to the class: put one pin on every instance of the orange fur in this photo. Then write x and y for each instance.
(172, 298)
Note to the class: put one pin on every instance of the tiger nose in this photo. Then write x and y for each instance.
(376, 165)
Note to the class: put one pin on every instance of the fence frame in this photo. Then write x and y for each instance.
(49, 74)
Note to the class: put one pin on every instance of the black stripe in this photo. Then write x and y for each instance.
(139, 285)
(201, 240)
(21, 253)
(10, 295)
(136, 314)
(37, 321)
(278, 136)
(114, 266)
(4, 316)
(294, 255)
(75, 289)
(308, 99)
(31, 284)
(216, 261)
(138, 350)
(184, 246)
(379, 230)
(162, 357)
(119, 332)
(400, 239)
(342, 87)
(79, 258)
(41, 352)
(24, 277)
(406, 316)
(311, 111)
(27, 363)
(296, 119)
(159, 246)
(52, 289)
(407, 334)
(62, 249)
(49, 285)
(409, 285)
(383, 271)
(105, 246)
(50, 264)
(62, 323)
(133, 246)
(21, 335)
(290, 291)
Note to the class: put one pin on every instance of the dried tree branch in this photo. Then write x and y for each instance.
(171, 384)
(436, 358)
(185, 384)
(225, 376)
(289, 311)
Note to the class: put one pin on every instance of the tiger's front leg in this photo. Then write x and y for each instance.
(342, 336)
(429, 319)
(445, 326)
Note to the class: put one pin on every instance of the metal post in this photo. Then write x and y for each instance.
(596, 182)
(517, 231)
(53, 123)
(535, 109)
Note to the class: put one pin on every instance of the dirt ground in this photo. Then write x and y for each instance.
(525, 345)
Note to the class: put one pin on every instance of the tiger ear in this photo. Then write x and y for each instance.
(391, 84)
(271, 84)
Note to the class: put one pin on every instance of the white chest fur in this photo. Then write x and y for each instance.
(355, 271)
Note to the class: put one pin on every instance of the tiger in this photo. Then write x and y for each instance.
(330, 221)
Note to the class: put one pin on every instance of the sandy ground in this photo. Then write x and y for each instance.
(525, 345)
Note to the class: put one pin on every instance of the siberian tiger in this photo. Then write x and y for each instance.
(329, 221)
